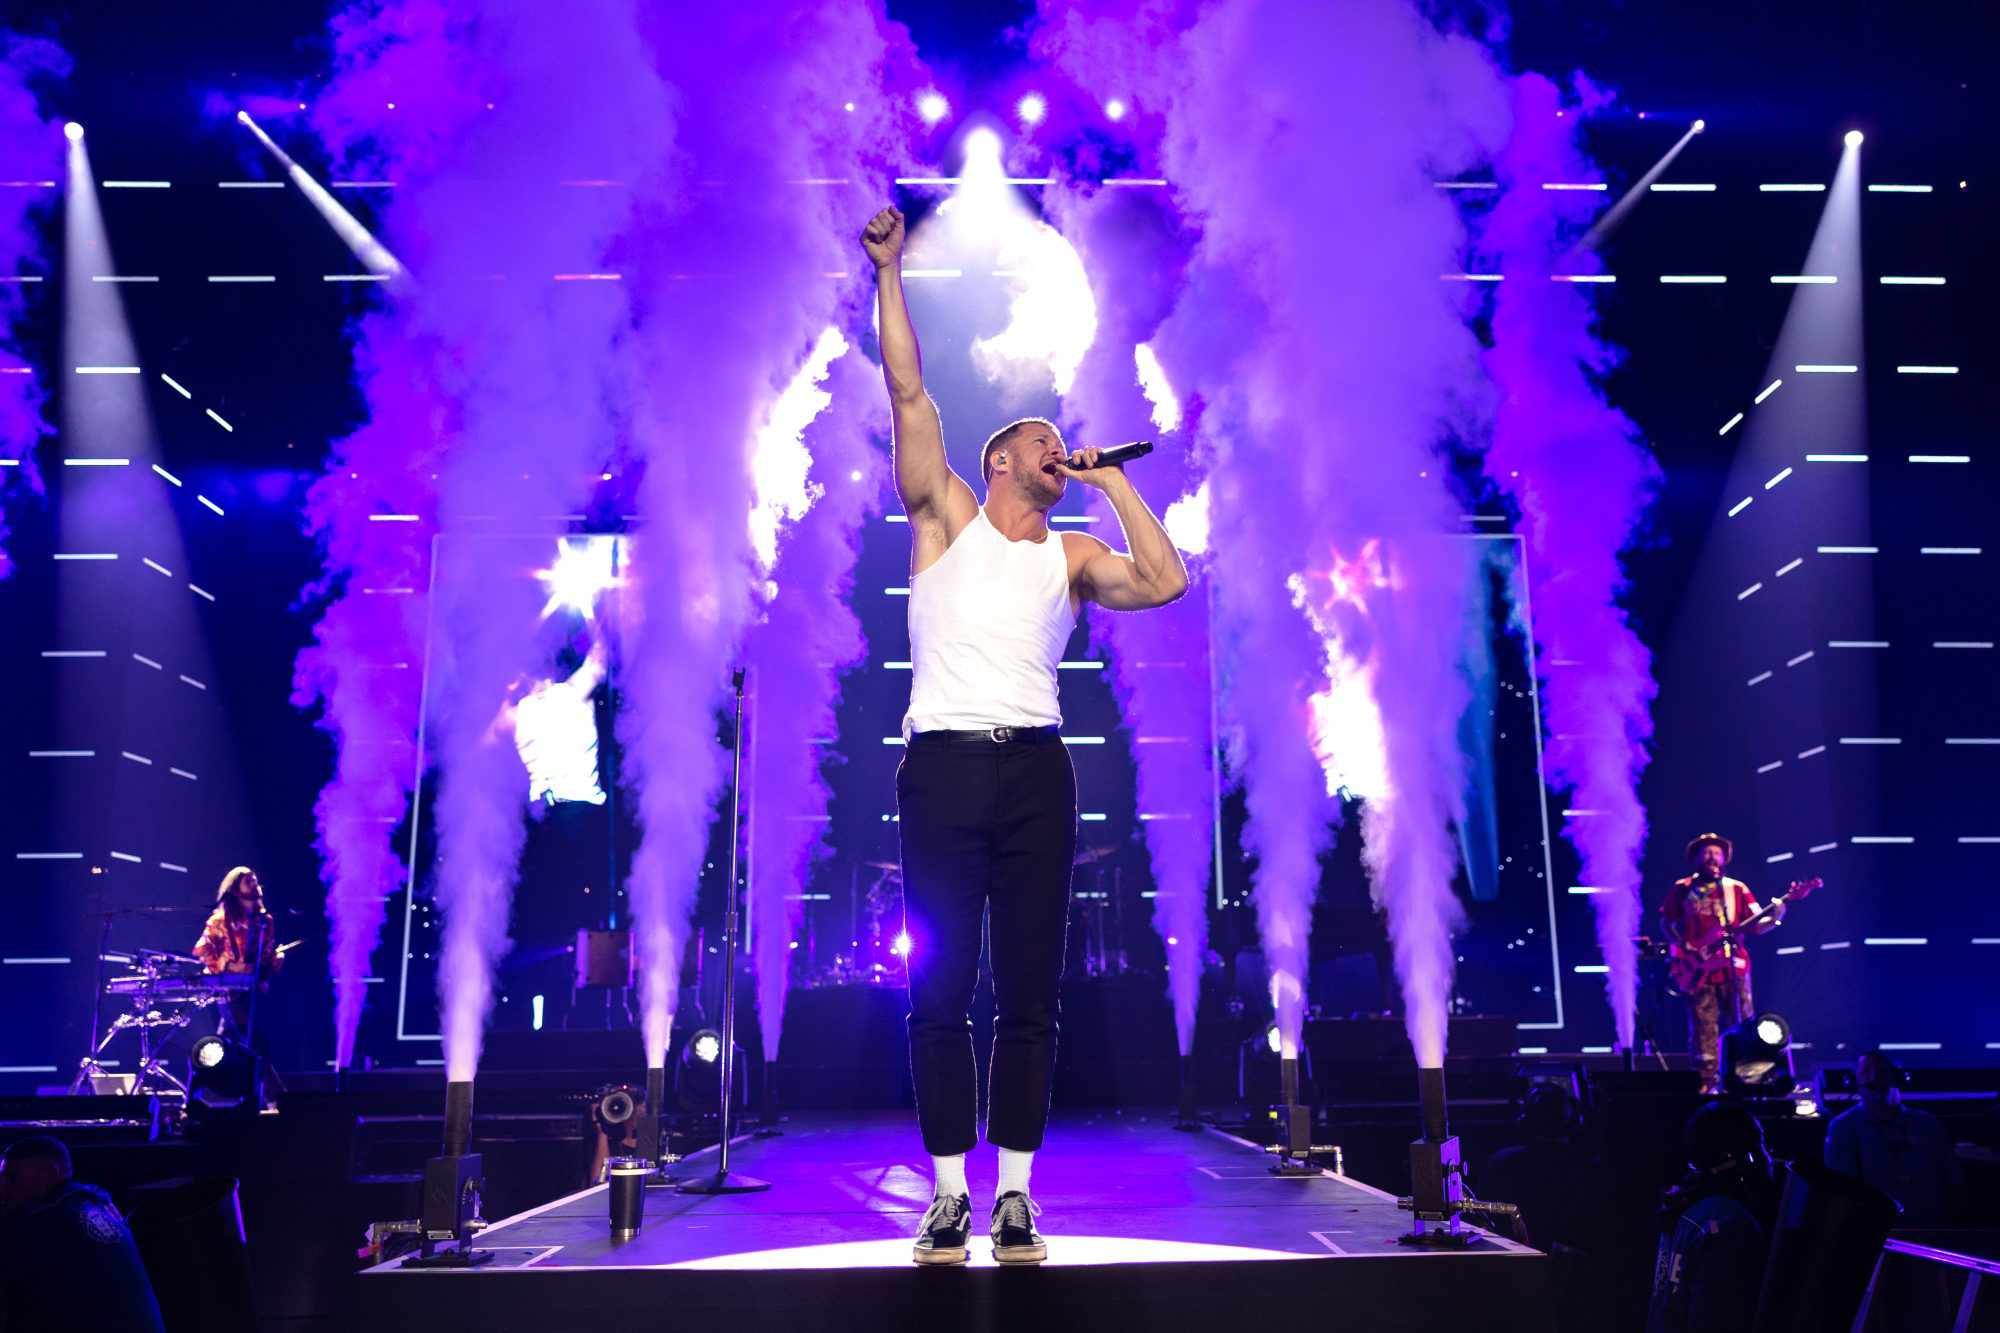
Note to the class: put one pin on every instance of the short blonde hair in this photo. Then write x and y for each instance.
(1004, 434)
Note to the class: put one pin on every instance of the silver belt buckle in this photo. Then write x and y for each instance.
(1001, 735)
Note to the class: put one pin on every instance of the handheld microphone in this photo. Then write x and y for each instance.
(1114, 456)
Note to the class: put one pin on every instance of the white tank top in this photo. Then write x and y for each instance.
(988, 624)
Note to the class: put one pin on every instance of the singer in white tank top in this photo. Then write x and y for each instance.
(988, 623)
(986, 794)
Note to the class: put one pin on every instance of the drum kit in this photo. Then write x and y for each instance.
(164, 990)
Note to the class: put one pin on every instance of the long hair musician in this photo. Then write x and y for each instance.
(240, 929)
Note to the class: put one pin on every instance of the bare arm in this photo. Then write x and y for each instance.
(1153, 574)
(924, 478)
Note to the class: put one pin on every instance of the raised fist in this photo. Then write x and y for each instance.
(882, 238)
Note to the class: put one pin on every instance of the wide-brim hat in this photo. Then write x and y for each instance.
(1712, 840)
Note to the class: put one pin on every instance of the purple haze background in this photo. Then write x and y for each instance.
(1134, 251)
(31, 148)
(808, 637)
(477, 115)
(363, 669)
(729, 261)
(740, 280)
(1331, 363)
(1582, 478)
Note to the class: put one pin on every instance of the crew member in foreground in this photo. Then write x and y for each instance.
(1705, 916)
(986, 793)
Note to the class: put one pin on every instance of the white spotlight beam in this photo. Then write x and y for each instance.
(371, 252)
(1601, 230)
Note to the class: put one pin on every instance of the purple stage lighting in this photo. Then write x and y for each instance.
(933, 107)
(74, 131)
(27, 152)
(1032, 109)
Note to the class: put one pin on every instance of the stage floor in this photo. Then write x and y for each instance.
(1153, 1227)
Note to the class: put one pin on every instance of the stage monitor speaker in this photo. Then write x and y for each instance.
(603, 958)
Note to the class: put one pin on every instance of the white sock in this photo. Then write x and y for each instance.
(949, 1173)
(1014, 1168)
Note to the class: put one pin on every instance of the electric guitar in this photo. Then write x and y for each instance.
(1713, 958)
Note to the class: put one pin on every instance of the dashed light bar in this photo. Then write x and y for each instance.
(1881, 841)
(1805, 279)
(1807, 754)
(1781, 475)
(1949, 550)
(1898, 280)
(1791, 189)
(1760, 678)
(1769, 389)
(1687, 279)
(1679, 187)
(175, 385)
(1740, 505)
(1749, 590)
(1730, 424)
(1826, 369)
(1836, 458)
(107, 370)
(211, 504)
(1926, 370)
(1899, 189)
(1940, 458)
(1782, 571)
(1849, 550)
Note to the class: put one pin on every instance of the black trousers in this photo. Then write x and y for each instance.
(988, 834)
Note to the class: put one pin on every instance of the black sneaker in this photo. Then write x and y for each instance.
(947, 1226)
(1015, 1240)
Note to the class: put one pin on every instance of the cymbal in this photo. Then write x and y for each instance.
(893, 867)
(1086, 855)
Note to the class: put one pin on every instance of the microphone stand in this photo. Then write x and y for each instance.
(722, 1182)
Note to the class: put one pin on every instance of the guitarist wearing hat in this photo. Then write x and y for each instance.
(1706, 916)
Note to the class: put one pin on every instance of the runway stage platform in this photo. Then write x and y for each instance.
(1148, 1228)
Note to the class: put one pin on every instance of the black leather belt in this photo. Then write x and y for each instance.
(992, 736)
